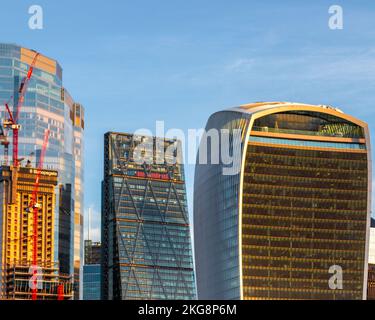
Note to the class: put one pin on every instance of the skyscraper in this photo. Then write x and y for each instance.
(17, 232)
(295, 217)
(48, 104)
(146, 245)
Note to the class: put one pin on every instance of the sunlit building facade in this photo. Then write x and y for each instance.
(146, 245)
(16, 236)
(298, 204)
(48, 105)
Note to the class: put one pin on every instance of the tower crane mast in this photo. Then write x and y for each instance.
(34, 208)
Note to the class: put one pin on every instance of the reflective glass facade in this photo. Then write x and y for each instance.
(146, 245)
(48, 105)
(303, 211)
(302, 205)
(216, 222)
(91, 282)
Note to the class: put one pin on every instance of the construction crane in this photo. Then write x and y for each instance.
(34, 208)
(4, 142)
(4, 136)
(12, 122)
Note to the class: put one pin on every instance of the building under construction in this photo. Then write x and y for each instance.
(17, 244)
(33, 98)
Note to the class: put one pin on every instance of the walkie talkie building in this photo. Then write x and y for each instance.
(146, 245)
(295, 216)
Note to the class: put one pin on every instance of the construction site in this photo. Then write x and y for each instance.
(29, 269)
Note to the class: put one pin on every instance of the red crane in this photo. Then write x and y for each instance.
(12, 122)
(4, 135)
(4, 142)
(34, 208)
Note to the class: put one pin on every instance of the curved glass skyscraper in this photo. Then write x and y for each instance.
(293, 221)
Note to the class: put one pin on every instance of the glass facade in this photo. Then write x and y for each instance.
(216, 222)
(146, 245)
(48, 105)
(302, 206)
(303, 212)
(91, 282)
(319, 144)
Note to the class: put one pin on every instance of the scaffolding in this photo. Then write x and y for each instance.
(51, 285)
(17, 236)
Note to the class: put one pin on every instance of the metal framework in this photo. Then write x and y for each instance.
(147, 210)
(55, 286)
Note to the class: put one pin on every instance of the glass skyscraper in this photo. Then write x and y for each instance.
(295, 214)
(146, 245)
(48, 105)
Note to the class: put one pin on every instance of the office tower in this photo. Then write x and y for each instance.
(48, 105)
(295, 216)
(146, 245)
(74, 114)
(16, 236)
(92, 271)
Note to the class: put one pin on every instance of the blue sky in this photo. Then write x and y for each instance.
(131, 63)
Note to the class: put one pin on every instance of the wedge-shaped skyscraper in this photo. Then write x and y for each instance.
(146, 246)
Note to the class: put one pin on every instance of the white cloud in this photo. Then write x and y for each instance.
(241, 65)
